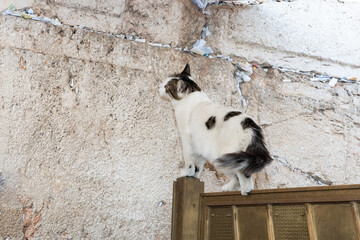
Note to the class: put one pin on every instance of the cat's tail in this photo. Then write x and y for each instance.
(245, 162)
(253, 159)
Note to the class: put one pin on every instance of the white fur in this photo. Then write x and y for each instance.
(201, 144)
(162, 89)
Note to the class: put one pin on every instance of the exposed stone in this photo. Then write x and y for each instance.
(310, 125)
(31, 219)
(298, 34)
(178, 23)
(11, 214)
(85, 136)
(88, 148)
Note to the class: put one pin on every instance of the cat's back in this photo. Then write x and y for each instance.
(221, 114)
(217, 129)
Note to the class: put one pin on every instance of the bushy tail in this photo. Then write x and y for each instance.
(247, 163)
(253, 159)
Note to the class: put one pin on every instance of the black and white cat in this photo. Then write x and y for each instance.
(227, 138)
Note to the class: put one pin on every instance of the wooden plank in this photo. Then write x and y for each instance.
(204, 222)
(313, 196)
(251, 222)
(270, 223)
(276, 197)
(310, 220)
(280, 190)
(356, 216)
(236, 223)
(207, 224)
(221, 225)
(290, 222)
(178, 205)
(186, 197)
(333, 221)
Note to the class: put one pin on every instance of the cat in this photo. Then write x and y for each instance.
(227, 138)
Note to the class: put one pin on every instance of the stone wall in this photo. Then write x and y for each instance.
(312, 129)
(307, 35)
(177, 23)
(89, 150)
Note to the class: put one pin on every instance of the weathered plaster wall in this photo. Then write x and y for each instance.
(92, 160)
(93, 157)
(177, 23)
(313, 130)
(19, 3)
(308, 35)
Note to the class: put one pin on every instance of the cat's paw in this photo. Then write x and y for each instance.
(197, 171)
(188, 171)
(233, 185)
(246, 189)
(227, 188)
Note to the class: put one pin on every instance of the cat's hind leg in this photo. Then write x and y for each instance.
(230, 186)
(189, 169)
(246, 183)
(199, 165)
(189, 158)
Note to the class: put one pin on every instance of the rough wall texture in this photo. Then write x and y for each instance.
(89, 150)
(312, 129)
(88, 147)
(308, 35)
(177, 23)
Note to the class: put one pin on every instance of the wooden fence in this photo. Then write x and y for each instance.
(314, 213)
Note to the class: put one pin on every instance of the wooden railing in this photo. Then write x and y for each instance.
(315, 213)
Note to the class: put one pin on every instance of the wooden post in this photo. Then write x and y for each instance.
(185, 209)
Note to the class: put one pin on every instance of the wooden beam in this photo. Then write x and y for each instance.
(277, 196)
(236, 223)
(356, 215)
(270, 223)
(310, 221)
(185, 214)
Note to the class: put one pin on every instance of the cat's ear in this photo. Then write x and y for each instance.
(186, 70)
(182, 86)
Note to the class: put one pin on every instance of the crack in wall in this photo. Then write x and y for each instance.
(136, 38)
(265, 125)
(312, 176)
(299, 54)
(67, 57)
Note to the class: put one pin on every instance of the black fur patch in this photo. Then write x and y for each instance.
(192, 86)
(210, 123)
(171, 89)
(256, 147)
(255, 157)
(249, 123)
(189, 86)
(231, 114)
(183, 83)
(185, 75)
(186, 70)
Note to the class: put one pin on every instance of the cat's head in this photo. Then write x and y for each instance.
(178, 86)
